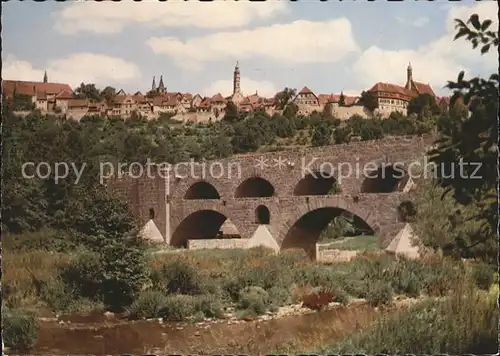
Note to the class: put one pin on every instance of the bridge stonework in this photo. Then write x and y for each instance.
(180, 214)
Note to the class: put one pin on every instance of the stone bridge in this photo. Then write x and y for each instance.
(279, 199)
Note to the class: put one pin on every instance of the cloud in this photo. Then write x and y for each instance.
(248, 87)
(418, 22)
(110, 17)
(435, 62)
(75, 69)
(293, 43)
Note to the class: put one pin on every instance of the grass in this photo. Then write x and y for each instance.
(353, 243)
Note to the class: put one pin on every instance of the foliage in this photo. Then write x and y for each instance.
(254, 299)
(178, 307)
(368, 100)
(483, 275)
(19, 329)
(380, 294)
(473, 139)
(423, 105)
(148, 304)
(464, 324)
(443, 224)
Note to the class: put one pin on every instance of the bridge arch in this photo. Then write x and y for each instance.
(385, 179)
(304, 227)
(201, 224)
(254, 187)
(201, 190)
(317, 182)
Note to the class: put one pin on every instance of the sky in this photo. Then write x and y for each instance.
(327, 46)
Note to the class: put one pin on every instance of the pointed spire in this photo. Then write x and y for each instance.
(45, 78)
(237, 68)
(153, 86)
(161, 85)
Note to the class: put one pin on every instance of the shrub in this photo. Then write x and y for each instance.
(318, 300)
(178, 307)
(279, 296)
(380, 294)
(19, 329)
(483, 275)
(57, 295)
(254, 299)
(210, 305)
(148, 304)
(84, 273)
(182, 278)
(466, 323)
(341, 297)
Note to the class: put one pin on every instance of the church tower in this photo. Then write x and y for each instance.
(153, 86)
(161, 86)
(236, 80)
(45, 78)
(409, 77)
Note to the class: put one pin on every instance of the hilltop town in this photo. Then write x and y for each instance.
(60, 99)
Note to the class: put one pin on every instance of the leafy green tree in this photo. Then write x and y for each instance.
(368, 100)
(473, 140)
(87, 91)
(321, 133)
(284, 98)
(342, 99)
(423, 105)
(231, 112)
(108, 93)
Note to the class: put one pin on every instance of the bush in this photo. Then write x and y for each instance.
(380, 294)
(84, 274)
(57, 295)
(148, 305)
(19, 329)
(341, 297)
(178, 307)
(254, 299)
(279, 296)
(210, 305)
(182, 278)
(483, 275)
(466, 323)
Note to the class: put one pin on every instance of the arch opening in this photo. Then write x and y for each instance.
(317, 183)
(151, 214)
(201, 190)
(262, 215)
(255, 187)
(386, 179)
(326, 225)
(201, 225)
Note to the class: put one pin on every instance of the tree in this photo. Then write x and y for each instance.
(423, 105)
(108, 93)
(231, 112)
(87, 91)
(342, 99)
(368, 100)
(473, 140)
(284, 97)
(321, 134)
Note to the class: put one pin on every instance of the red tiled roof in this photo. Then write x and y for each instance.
(205, 103)
(188, 96)
(41, 96)
(423, 88)
(64, 94)
(391, 88)
(218, 98)
(78, 103)
(170, 102)
(31, 88)
(305, 90)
